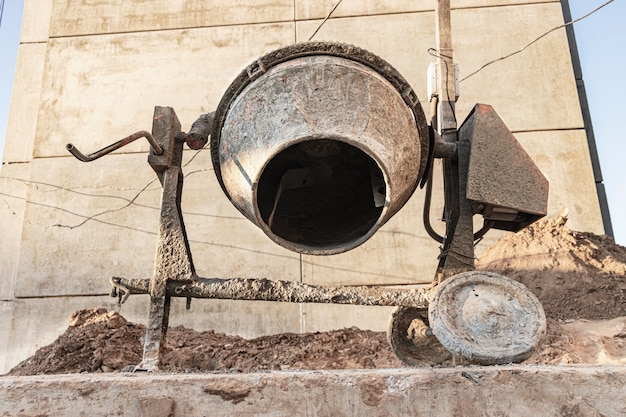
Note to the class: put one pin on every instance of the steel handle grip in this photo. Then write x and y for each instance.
(157, 149)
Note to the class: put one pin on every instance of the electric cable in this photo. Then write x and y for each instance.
(426, 213)
(436, 54)
(324, 21)
(1, 11)
(537, 39)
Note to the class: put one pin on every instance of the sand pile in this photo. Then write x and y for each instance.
(578, 277)
(98, 340)
(575, 275)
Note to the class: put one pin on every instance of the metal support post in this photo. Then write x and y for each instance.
(458, 251)
(446, 122)
(458, 247)
(173, 260)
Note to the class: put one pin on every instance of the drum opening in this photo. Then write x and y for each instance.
(321, 192)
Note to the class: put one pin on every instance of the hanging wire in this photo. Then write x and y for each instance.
(324, 21)
(1, 11)
(437, 54)
(426, 211)
(537, 39)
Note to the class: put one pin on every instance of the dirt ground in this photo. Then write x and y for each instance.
(578, 277)
(575, 275)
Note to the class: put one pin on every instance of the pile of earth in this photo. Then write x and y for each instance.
(102, 341)
(575, 275)
(578, 277)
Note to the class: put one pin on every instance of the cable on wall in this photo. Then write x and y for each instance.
(324, 21)
(537, 39)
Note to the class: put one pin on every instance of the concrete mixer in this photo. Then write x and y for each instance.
(319, 144)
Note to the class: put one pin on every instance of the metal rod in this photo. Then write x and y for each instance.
(156, 332)
(447, 93)
(262, 289)
(157, 149)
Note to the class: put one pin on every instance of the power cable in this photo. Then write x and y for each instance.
(537, 39)
(1, 11)
(436, 54)
(324, 21)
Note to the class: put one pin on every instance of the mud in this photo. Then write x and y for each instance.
(575, 275)
(98, 340)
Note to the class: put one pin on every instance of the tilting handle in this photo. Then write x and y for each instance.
(158, 150)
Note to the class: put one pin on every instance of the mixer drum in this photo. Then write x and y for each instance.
(319, 144)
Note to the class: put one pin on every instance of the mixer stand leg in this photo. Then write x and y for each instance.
(173, 260)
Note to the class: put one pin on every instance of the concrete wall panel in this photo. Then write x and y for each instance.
(35, 323)
(36, 21)
(508, 390)
(82, 17)
(325, 317)
(563, 157)
(93, 232)
(98, 89)
(13, 192)
(30, 324)
(80, 227)
(516, 87)
(306, 9)
(533, 90)
(22, 122)
(7, 309)
(248, 319)
(468, 4)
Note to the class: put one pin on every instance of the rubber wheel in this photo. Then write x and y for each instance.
(408, 337)
(486, 318)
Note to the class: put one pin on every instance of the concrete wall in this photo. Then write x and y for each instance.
(520, 391)
(91, 72)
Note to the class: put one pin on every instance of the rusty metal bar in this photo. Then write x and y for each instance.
(156, 333)
(157, 149)
(446, 80)
(457, 254)
(200, 131)
(173, 256)
(262, 289)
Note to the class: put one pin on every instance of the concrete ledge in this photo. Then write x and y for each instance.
(461, 391)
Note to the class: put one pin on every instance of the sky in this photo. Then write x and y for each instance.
(601, 40)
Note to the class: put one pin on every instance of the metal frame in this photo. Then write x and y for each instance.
(174, 272)
(175, 275)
